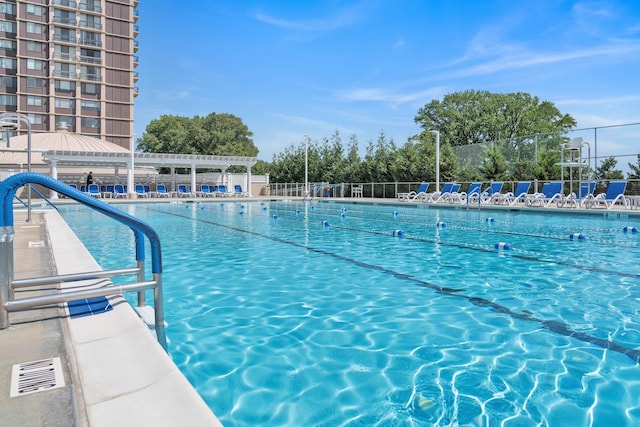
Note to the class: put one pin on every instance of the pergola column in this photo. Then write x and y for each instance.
(193, 178)
(248, 187)
(131, 187)
(54, 174)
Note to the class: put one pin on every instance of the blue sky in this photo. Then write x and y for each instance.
(295, 68)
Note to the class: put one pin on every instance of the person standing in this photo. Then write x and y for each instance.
(90, 179)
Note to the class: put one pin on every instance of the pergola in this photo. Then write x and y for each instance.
(58, 150)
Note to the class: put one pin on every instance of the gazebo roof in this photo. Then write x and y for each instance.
(73, 150)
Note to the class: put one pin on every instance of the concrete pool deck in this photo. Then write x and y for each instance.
(115, 372)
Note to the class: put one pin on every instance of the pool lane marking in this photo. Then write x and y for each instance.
(515, 253)
(555, 326)
(492, 230)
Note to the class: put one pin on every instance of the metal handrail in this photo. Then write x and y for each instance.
(140, 229)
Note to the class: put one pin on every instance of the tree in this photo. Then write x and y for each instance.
(473, 117)
(494, 166)
(606, 171)
(215, 134)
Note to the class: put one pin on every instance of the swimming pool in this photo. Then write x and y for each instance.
(285, 313)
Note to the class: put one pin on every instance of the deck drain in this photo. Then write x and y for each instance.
(36, 244)
(39, 375)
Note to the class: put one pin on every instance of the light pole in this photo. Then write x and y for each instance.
(306, 164)
(12, 120)
(437, 133)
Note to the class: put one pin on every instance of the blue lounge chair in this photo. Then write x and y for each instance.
(614, 194)
(119, 190)
(182, 191)
(413, 195)
(513, 197)
(140, 191)
(161, 191)
(585, 190)
(472, 193)
(551, 192)
(238, 191)
(94, 190)
(222, 190)
(447, 193)
(492, 192)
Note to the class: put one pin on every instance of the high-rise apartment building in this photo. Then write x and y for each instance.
(70, 63)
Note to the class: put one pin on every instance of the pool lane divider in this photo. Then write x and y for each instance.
(555, 326)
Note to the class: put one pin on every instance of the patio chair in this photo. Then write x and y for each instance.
(222, 191)
(447, 193)
(412, 195)
(614, 195)
(513, 197)
(238, 191)
(585, 190)
(161, 191)
(140, 191)
(182, 191)
(472, 193)
(94, 190)
(119, 191)
(492, 192)
(551, 192)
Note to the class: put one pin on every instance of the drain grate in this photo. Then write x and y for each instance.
(36, 244)
(39, 375)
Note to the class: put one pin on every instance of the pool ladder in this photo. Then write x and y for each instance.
(8, 303)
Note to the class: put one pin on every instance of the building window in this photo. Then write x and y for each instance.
(33, 27)
(8, 100)
(64, 70)
(7, 44)
(90, 122)
(35, 101)
(8, 81)
(68, 120)
(90, 88)
(90, 73)
(35, 64)
(66, 53)
(8, 26)
(65, 86)
(34, 82)
(35, 46)
(64, 17)
(64, 103)
(90, 105)
(8, 63)
(64, 34)
(33, 9)
(36, 119)
(8, 8)
(90, 39)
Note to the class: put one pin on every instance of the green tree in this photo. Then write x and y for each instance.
(634, 174)
(215, 134)
(546, 168)
(494, 166)
(606, 172)
(472, 117)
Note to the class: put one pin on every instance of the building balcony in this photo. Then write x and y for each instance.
(93, 77)
(136, 91)
(64, 38)
(64, 56)
(91, 25)
(136, 77)
(136, 15)
(65, 3)
(90, 60)
(64, 74)
(136, 61)
(136, 45)
(91, 42)
(136, 31)
(91, 8)
(64, 20)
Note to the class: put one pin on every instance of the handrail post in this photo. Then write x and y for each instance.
(141, 294)
(159, 310)
(6, 272)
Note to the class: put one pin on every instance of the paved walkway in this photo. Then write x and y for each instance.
(34, 335)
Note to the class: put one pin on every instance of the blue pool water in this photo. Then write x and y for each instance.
(279, 319)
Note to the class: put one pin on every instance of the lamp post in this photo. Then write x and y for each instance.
(437, 133)
(12, 120)
(306, 164)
